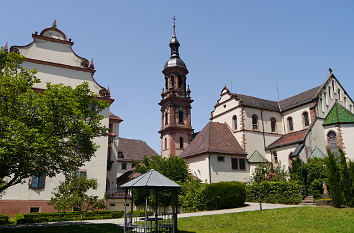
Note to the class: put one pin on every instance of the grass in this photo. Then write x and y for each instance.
(299, 219)
(75, 228)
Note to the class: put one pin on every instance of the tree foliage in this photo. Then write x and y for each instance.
(334, 179)
(173, 167)
(310, 174)
(269, 172)
(72, 195)
(43, 133)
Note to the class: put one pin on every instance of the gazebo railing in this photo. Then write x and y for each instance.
(160, 222)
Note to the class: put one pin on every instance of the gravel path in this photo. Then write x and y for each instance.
(250, 207)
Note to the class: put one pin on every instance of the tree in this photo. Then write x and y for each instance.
(346, 179)
(334, 179)
(43, 133)
(71, 195)
(173, 167)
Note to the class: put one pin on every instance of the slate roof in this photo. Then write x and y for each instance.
(339, 115)
(285, 104)
(289, 139)
(257, 157)
(251, 101)
(151, 179)
(214, 138)
(299, 99)
(133, 149)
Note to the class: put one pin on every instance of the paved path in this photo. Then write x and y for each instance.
(250, 207)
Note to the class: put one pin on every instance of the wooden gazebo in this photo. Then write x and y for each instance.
(152, 220)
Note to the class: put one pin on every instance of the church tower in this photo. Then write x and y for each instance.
(176, 130)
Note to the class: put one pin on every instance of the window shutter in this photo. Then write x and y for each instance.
(34, 182)
(41, 180)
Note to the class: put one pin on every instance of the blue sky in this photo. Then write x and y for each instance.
(254, 45)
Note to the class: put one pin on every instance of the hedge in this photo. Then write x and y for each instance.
(282, 192)
(224, 195)
(69, 216)
(4, 219)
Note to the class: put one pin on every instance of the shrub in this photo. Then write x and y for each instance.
(224, 195)
(307, 173)
(316, 188)
(69, 216)
(192, 197)
(4, 219)
(283, 192)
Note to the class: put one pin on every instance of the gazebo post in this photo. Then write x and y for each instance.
(125, 209)
(175, 213)
(146, 213)
(156, 215)
(131, 205)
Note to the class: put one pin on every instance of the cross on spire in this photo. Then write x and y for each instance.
(174, 23)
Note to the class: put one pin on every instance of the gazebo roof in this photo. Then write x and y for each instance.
(151, 179)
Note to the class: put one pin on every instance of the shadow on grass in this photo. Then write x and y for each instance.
(78, 227)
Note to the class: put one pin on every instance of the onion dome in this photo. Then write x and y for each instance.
(174, 60)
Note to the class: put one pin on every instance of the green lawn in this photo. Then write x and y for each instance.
(300, 219)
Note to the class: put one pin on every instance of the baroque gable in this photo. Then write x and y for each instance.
(51, 54)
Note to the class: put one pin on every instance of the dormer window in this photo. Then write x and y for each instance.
(120, 155)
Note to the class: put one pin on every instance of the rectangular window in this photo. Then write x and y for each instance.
(120, 155)
(275, 157)
(345, 102)
(339, 97)
(234, 163)
(37, 182)
(242, 164)
(34, 210)
(111, 128)
(124, 166)
(221, 159)
(80, 173)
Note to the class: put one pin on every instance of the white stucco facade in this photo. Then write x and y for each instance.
(53, 58)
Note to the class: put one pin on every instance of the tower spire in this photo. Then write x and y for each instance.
(174, 25)
(174, 44)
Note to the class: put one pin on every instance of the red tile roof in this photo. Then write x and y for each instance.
(289, 139)
(214, 138)
(114, 117)
(134, 149)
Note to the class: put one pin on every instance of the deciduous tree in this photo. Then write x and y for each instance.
(43, 133)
